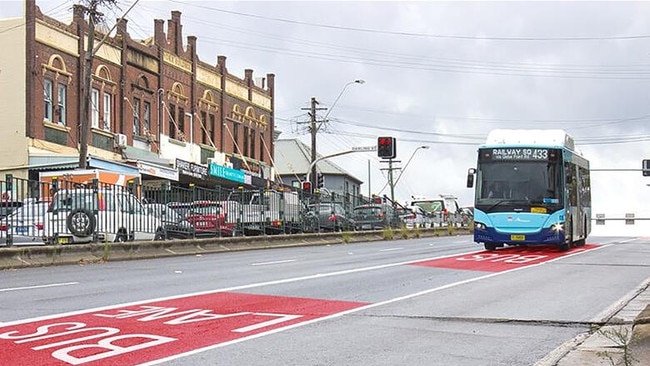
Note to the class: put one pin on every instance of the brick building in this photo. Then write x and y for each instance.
(154, 105)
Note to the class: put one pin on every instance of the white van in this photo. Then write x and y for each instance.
(442, 210)
(86, 215)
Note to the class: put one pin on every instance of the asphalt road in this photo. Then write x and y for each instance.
(433, 301)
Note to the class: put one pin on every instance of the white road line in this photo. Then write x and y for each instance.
(274, 262)
(38, 286)
(390, 249)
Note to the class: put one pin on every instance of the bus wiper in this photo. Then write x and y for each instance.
(496, 204)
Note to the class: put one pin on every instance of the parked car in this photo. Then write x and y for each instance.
(83, 215)
(332, 217)
(374, 216)
(416, 217)
(209, 219)
(24, 226)
(175, 225)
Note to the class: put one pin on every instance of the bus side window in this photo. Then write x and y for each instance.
(571, 184)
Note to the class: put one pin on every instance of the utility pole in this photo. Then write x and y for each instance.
(94, 17)
(390, 176)
(313, 129)
(314, 126)
(84, 128)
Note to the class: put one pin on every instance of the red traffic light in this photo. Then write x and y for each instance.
(386, 147)
(306, 186)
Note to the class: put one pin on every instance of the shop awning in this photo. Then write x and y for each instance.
(95, 162)
(133, 154)
(53, 162)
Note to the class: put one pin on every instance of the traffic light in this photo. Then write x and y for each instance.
(306, 187)
(320, 181)
(386, 147)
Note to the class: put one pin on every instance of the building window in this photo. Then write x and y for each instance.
(136, 117)
(235, 136)
(261, 147)
(108, 107)
(204, 133)
(245, 153)
(212, 131)
(61, 103)
(94, 107)
(146, 117)
(47, 98)
(181, 124)
(253, 144)
(172, 124)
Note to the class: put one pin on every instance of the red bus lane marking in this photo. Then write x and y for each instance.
(146, 332)
(503, 259)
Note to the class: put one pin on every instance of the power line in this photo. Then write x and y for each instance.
(419, 35)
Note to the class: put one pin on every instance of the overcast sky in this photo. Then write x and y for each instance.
(440, 74)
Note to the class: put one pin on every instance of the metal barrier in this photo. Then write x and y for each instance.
(629, 218)
(67, 210)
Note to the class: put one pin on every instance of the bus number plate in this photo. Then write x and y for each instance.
(518, 237)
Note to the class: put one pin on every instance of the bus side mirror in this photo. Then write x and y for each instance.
(470, 177)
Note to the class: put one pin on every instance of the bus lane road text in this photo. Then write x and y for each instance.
(147, 332)
(502, 259)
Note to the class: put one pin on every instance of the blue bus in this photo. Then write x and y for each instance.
(532, 188)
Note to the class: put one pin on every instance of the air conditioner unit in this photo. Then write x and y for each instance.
(120, 140)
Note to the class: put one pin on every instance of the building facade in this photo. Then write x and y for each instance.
(152, 102)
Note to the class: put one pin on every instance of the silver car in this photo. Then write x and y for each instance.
(24, 226)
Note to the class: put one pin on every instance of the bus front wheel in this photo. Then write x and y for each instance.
(490, 246)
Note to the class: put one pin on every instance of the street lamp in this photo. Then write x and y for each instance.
(407, 163)
(358, 81)
(315, 127)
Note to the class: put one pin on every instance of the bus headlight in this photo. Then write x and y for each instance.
(479, 226)
(557, 227)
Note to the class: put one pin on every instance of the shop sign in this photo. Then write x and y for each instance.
(191, 169)
(157, 171)
(223, 172)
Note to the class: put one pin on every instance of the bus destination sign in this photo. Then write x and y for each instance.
(518, 153)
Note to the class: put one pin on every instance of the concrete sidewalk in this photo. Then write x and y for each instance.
(624, 340)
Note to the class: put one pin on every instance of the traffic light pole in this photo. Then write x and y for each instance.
(312, 166)
(390, 178)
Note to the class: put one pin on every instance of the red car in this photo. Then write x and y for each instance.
(208, 219)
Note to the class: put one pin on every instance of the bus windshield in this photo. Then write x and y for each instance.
(536, 182)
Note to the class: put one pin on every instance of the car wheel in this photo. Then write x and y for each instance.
(120, 237)
(81, 222)
(160, 234)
